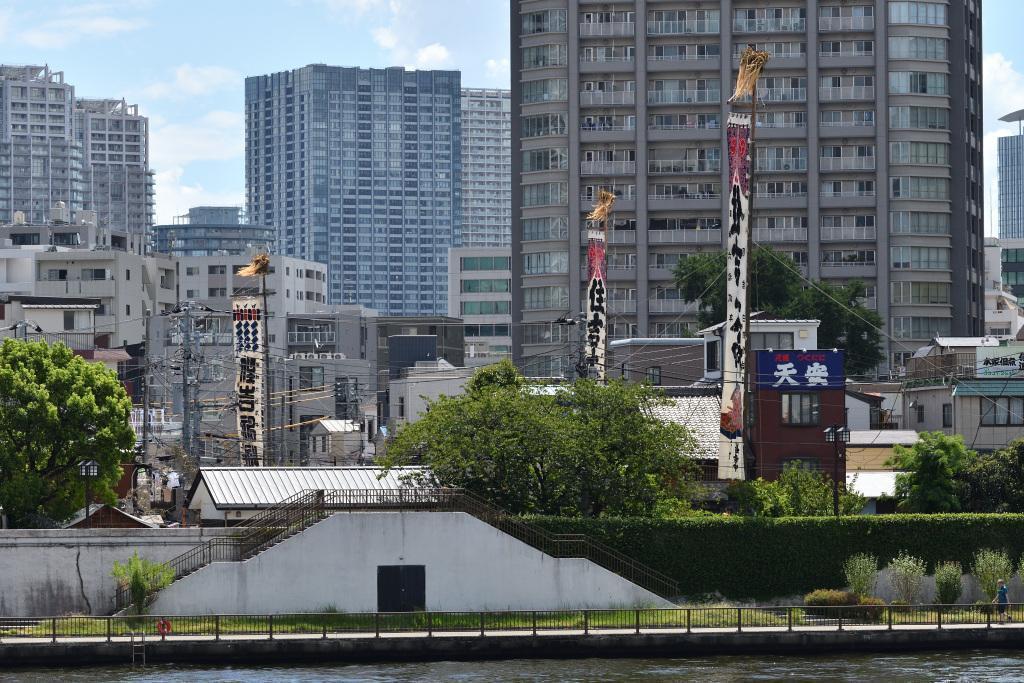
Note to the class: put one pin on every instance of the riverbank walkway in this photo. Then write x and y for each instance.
(76, 640)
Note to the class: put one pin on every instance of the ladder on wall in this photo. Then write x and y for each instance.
(138, 643)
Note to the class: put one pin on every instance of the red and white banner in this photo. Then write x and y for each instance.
(597, 302)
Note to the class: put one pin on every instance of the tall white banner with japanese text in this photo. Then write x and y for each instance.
(734, 343)
(250, 336)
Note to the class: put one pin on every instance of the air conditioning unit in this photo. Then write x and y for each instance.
(325, 356)
(339, 356)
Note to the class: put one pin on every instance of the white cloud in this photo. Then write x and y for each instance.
(1004, 93)
(385, 37)
(175, 196)
(190, 81)
(433, 56)
(5, 23)
(71, 25)
(216, 136)
(498, 68)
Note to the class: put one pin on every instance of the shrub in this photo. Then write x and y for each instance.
(948, 583)
(906, 573)
(715, 554)
(819, 601)
(861, 573)
(870, 609)
(990, 566)
(142, 577)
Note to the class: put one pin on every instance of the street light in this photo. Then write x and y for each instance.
(835, 435)
(89, 470)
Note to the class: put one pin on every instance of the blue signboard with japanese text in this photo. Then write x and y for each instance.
(793, 370)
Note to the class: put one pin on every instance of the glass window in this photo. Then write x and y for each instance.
(801, 409)
(1002, 411)
(947, 415)
(654, 375)
(771, 340)
(929, 13)
(311, 378)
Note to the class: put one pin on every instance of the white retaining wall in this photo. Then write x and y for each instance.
(52, 572)
(470, 566)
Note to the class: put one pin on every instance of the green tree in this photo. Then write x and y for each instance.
(798, 492)
(56, 410)
(927, 481)
(778, 289)
(583, 449)
(142, 578)
(994, 482)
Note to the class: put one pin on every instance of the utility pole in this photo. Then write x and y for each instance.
(186, 325)
(145, 388)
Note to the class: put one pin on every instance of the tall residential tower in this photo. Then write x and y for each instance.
(360, 169)
(486, 168)
(868, 156)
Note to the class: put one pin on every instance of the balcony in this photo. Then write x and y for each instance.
(708, 236)
(685, 195)
(782, 94)
(607, 59)
(680, 166)
(848, 233)
(607, 28)
(670, 306)
(849, 269)
(614, 237)
(77, 341)
(847, 93)
(846, 163)
(780, 234)
(684, 96)
(605, 97)
(683, 58)
(683, 28)
(607, 168)
(316, 338)
(792, 165)
(846, 23)
(769, 25)
(847, 194)
(614, 272)
(622, 305)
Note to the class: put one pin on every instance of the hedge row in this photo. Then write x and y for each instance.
(744, 558)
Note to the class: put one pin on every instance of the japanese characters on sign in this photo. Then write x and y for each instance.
(597, 302)
(792, 370)
(730, 451)
(250, 337)
(1000, 361)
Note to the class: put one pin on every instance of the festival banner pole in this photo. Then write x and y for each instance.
(736, 331)
(597, 291)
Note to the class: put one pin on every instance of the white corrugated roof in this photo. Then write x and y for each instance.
(341, 425)
(966, 341)
(257, 487)
(701, 415)
(882, 437)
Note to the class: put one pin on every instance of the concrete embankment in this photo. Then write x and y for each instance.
(419, 647)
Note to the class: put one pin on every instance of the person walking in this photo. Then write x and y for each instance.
(1002, 601)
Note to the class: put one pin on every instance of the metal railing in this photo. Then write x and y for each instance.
(681, 28)
(874, 618)
(306, 508)
(846, 23)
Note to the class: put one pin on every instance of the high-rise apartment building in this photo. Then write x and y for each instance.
(868, 160)
(360, 169)
(91, 154)
(486, 168)
(1011, 206)
(211, 230)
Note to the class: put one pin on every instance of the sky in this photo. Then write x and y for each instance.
(184, 63)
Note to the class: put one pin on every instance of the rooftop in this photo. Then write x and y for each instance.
(700, 413)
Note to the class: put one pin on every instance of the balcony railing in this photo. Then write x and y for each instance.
(670, 306)
(706, 236)
(712, 125)
(846, 23)
(856, 123)
(681, 58)
(614, 236)
(607, 59)
(598, 97)
(847, 264)
(848, 233)
(791, 165)
(848, 52)
(607, 167)
(683, 96)
(620, 195)
(686, 195)
(678, 166)
(780, 234)
(607, 28)
(847, 163)
(847, 193)
(779, 195)
(682, 28)
(846, 92)
(325, 337)
(623, 305)
(600, 127)
(769, 25)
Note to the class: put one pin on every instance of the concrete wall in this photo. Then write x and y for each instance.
(45, 572)
(469, 566)
(971, 593)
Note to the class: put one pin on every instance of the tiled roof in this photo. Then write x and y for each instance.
(701, 415)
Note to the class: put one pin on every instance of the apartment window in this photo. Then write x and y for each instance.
(546, 21)
(217, 270)
(914, 187)
(486, 307)
(928, 13)
(546, 194)
(545, 90)
(486, 286)
(801, 410)
(486, 263)
(920, 327)
(947, 415)
(549, 228)
(192, 270)
(554, 159)
(915, 47)
(927, 153)
(771, 340)
(24, 239)
(919, 258)
(543, 262)
(1001, 411)
(654, 375)
(544, 124)
(918, 83)
(215, 292)
(918, 223)
(919, 118)
(540, 298)
(542, 56)
(311, 377)
(927, 293)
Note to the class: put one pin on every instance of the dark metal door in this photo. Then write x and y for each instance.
(401, 588)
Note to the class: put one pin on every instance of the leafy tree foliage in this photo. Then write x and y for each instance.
(994, 482)
(584, 449)
(798, 492)
(927, 481)
(142, 578)
(56, 410)
(778, 290)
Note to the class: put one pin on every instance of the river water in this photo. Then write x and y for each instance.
(989, 665)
